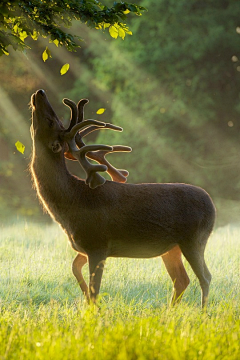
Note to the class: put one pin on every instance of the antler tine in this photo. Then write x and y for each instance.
(74, 112)
(80, 107)
(92, 128)
(93, 178)
(117, 175)
(70, 135)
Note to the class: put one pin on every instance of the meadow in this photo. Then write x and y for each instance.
(43, 314)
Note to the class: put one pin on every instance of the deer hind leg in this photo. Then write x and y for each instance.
(173, 263)
(195, 257)
(79, 261)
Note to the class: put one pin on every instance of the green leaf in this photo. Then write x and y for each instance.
(64, 69)
(132, 8)
(100, 111)
(20, 147)
(113, 31)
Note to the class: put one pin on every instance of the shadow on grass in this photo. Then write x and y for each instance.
(142, 293)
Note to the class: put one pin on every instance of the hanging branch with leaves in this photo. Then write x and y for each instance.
(41, 18)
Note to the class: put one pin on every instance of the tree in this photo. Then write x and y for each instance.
(22, 19)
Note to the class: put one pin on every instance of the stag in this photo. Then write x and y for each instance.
(111, 218)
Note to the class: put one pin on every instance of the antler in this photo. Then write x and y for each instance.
(74, 113)
(93, 178)
(118, 175)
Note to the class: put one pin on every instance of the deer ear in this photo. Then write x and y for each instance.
(56, 146)
(69, 156)
(67, 153)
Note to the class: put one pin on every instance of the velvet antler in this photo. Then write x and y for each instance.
(93, 178)
(118, 175)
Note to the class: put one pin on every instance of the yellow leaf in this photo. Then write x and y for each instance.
(56, 42)
(34, 35)
(64, 69)
(113, 31)
(45, 55)
(106, 25)
(100, 111)
(20, 147)
(23, 35)
(121, 33)
(15, 28)
(126, 12)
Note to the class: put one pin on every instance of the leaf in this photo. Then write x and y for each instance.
(121, 33)
(23, 35)
(132, 8)
(20, 147)
(100, 111)
(113, 31)
(126, 12)
(34, 35)
(15, 28)
(56, 42)
(64, 69)
(128, 32)
(46, 54)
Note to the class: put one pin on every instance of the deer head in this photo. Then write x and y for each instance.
(58, 140)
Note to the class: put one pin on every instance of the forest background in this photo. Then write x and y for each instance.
(174, 87)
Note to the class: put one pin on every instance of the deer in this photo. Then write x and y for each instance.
(112, 218)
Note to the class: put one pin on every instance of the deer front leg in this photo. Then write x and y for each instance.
(173, 263)
(79, 261)
(96, 265)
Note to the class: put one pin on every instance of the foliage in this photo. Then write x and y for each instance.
(22, 19)
(43, 315)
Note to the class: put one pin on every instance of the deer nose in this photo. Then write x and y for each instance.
(41, 92)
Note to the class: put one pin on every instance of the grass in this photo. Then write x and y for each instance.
(44, 316)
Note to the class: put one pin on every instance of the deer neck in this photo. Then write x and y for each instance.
(56, 187)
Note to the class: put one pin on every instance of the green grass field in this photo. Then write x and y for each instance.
(43, 314)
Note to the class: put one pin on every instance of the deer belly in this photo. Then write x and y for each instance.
(139, 250)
